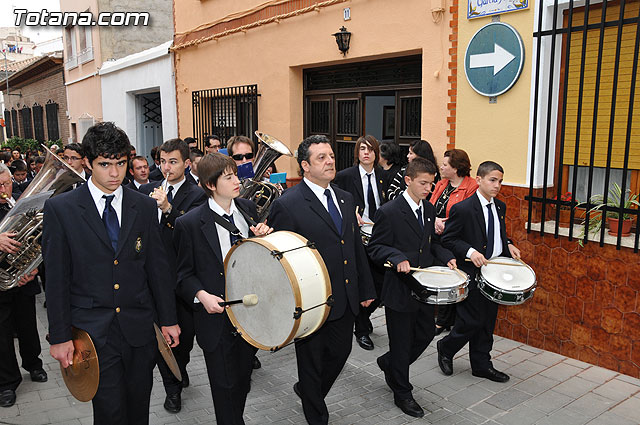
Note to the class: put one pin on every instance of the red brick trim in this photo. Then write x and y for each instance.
(453, 75)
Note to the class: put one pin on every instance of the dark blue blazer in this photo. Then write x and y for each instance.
(156, 174)
(201, 266)
(299, 210)
(87, 280)
(397, 237)
(466, 228)
(349, 180)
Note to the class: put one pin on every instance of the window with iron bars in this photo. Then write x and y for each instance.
(27, 126)
(225, 112)
(7, 123)
(586, 121)
(51, 109)
(38, 123)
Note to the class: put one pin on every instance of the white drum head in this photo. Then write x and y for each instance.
(510, 278)
(445, 278)
(269, 322)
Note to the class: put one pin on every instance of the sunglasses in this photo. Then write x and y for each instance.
(240, 157)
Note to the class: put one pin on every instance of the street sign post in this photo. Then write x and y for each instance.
(494, 59)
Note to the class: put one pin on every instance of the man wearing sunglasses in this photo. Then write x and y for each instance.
(240, 148)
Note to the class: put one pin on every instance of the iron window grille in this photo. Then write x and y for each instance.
(51, 109)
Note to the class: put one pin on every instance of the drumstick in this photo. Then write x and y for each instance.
(250, 299)
(366, 222)
(462, 275)
(501, 263)
(416, 269)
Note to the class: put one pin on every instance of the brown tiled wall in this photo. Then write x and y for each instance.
(586, 305)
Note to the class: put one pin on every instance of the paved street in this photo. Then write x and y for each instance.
(545, 388)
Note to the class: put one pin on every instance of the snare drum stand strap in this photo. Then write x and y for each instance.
(278, 254)
(299, 311)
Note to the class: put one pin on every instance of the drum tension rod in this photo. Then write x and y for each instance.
(278, 254)
(298, 313)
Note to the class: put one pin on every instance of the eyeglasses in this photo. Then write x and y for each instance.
(240, 157)
(71, 158)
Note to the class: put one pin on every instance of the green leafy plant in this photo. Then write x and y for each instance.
(28, 144)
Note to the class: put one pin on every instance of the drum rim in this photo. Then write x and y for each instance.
(507, 291)
(464, 283)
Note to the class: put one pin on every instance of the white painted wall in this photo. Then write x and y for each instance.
(143, 72)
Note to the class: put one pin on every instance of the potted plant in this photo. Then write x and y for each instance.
(614, 201)
(565, 210)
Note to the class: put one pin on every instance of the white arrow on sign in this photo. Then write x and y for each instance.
(498, 59)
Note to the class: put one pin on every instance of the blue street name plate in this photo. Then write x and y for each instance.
(494, 59)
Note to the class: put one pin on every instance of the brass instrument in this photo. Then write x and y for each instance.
(264, 193)
(56, 176)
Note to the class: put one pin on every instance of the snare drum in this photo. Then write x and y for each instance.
(289, 278)
(507, 284)
(450, 286)
(366, 230)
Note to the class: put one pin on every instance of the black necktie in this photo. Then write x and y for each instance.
(333, 211)
(170, 194)
(232, 237)
(490, 231)
(371, 199)
(420, 221)
(110, 220)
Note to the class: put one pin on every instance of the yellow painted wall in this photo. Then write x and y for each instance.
(274, 56)
(497, 132)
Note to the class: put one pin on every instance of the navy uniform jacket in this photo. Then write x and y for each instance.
(397, 237)
(349, 180)
(200, 266)
(466, 228)
(299, 210)
(87, 281)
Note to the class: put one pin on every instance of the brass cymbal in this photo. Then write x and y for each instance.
(167, 354)
(82, 377)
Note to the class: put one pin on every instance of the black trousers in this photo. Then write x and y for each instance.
(362, 322)
(229, 368)
(320, 359)
(409, 335)
(182, 352)
(475, 322)
(18, 314)
(126, 378)
(446, 315)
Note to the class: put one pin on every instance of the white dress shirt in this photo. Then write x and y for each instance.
(100, 202)
(223, 234)
(365, 188)
(165, 185)
(319, 192)
(84, 176)
(414, 206)
(497, 240)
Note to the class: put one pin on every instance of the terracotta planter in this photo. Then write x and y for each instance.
(614, 226)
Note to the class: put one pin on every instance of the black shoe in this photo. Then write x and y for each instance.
(445, 363)
(38, 375)
(410, 407)
(365, 342)
(256, 363)
(185, 379)
(441, 329)
(383, 368)
(7, 398)
(296, 389)
(173, 403)
(491, 374)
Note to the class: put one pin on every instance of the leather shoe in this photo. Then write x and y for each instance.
(491, 374)
(256, 363)
(7, 398)
(410, 407)
(365, 342)
(173, 403)
(445, 363)
(185, 379)
(383, 368)
(38, 375)
(296, 389)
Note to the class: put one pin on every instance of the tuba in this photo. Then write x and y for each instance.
(263, 193)
(55, 176)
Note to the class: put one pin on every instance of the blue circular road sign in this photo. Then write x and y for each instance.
(494, 59)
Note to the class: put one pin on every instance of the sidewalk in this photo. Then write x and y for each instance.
(545, 388)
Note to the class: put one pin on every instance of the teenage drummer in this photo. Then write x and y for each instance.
(476, 231)
(203, 237)
(403, 236)
(365, 182)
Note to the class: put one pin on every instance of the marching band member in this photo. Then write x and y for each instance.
(139, 169)
(175, 195)
(476, 230)
(403, 236)
(364, 181)
(203, 237)
(325, 215)
(108, 274)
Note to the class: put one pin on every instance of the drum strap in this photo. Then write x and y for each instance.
(230, 227)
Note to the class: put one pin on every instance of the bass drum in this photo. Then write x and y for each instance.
(291, 282)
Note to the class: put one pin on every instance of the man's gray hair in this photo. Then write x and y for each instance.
(4, 168)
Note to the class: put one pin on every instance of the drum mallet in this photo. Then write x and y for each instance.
(250, 299)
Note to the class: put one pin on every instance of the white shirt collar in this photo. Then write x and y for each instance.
(97, 194)
(176, 186)
(318, 190)
(216, 208)
(363, 172)
(483, 200)
(196, 178)
(410, 201)
(137, 185)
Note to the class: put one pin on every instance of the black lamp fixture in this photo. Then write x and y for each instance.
(343, 38)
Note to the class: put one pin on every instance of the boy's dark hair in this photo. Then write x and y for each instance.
(370, 141)
(420, 165)
(422, 148)
(16, 148)
(39, 160)
(303, 149)
(5, 156)
(211, 167)
(459, 160)
(18, 165)
(487, 167)
(195, 153)
(154, 152)
(189, 140)
(107, 140)
(76, 147)
(392, 152)
(176, 145)
(239, 139)
(212, 137)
